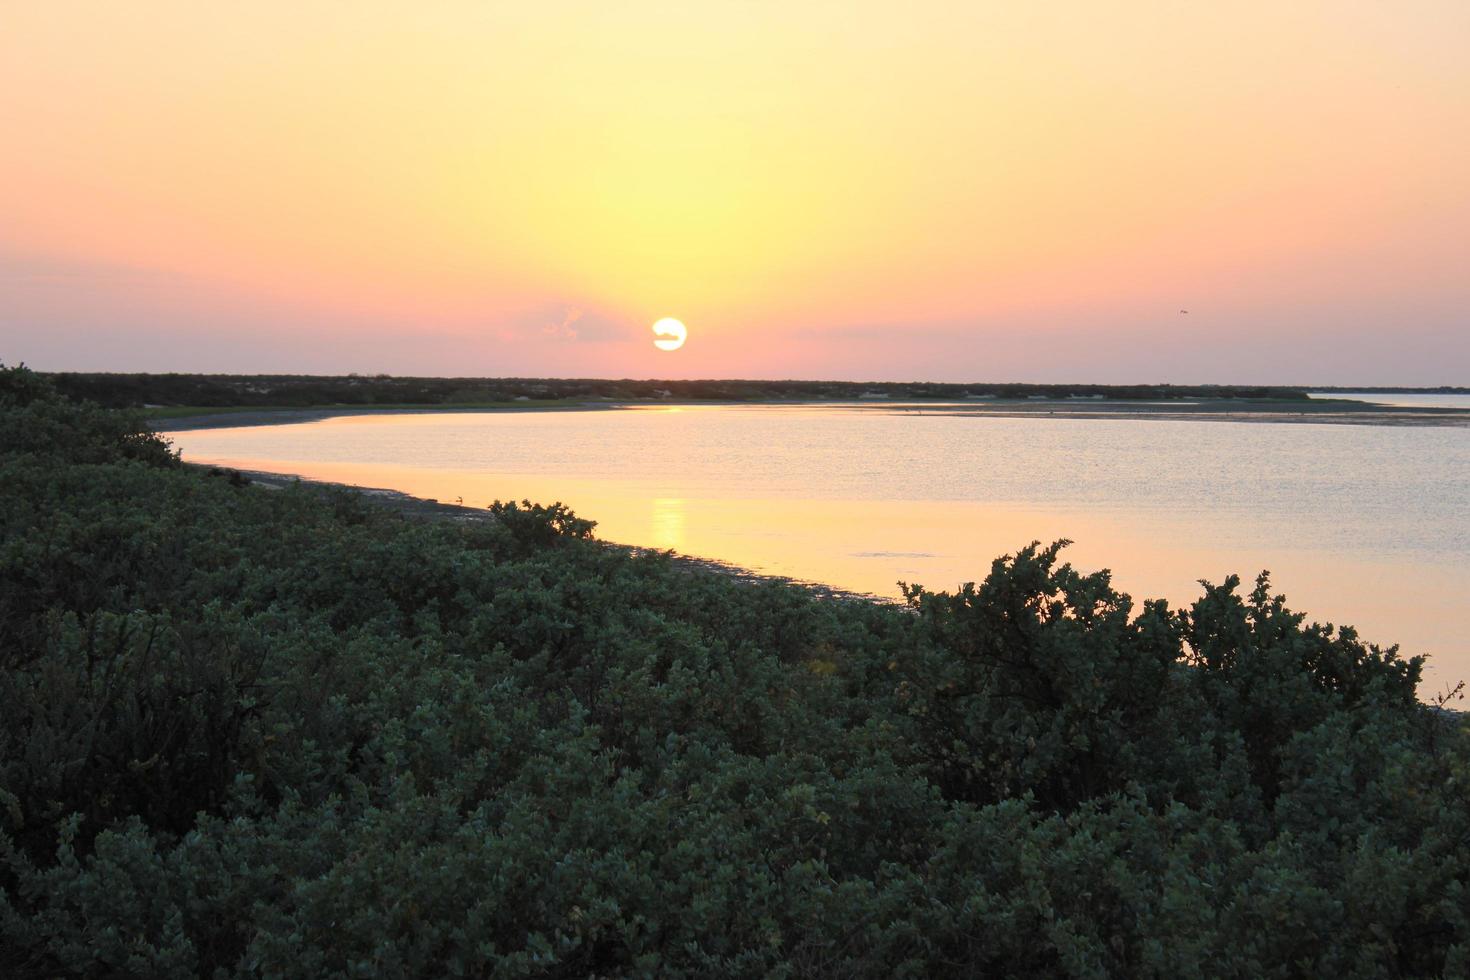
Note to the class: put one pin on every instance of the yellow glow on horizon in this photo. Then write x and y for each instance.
(755, 165)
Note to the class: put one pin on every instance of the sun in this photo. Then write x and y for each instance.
(671, 334)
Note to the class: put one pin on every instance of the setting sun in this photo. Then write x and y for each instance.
(671, 334)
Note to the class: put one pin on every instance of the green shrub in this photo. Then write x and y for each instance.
(271, 734)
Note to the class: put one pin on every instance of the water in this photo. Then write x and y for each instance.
(1368, 525)
(1417, 400)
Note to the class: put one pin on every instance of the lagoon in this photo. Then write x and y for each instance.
(1360, 524)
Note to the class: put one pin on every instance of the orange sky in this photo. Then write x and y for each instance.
(965, 191)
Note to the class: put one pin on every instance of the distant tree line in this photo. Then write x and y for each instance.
(290, 733)
(218, 390)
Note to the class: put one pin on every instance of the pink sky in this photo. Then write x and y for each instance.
(947, 192)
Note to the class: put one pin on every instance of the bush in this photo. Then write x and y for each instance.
(247, 733)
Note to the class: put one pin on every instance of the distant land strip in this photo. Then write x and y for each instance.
(162, 392)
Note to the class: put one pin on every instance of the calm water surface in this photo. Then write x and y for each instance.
(1368, 525)
(1417, 400)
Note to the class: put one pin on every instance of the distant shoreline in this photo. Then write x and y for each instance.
(1318, 412)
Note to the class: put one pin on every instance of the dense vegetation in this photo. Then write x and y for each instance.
(275, 391)
(285, 733)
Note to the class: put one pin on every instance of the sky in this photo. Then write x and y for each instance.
(922, 191)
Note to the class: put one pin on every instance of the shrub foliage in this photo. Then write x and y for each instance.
(280, 734)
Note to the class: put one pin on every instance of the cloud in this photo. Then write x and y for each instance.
(565, 323)
(565, 329)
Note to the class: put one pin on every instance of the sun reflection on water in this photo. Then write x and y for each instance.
(666, 527)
